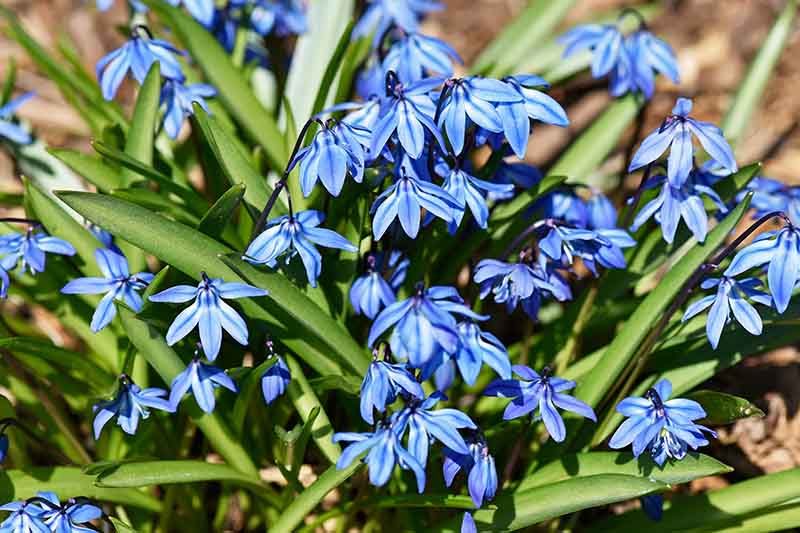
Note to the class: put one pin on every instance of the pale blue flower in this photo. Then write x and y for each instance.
(371, 292)
(415, 55)
(70, 516)
(334, 153)
(479, 466)
(604, 40)
(129, 406)
(8, 129)
(29, 250)
(469, 191)
(25, 517)
(178, 99)
(275, 380)
(380, 15)
(201, 379)
(382, 384)
(283, 17)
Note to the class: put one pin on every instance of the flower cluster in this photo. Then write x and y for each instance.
(28, 251)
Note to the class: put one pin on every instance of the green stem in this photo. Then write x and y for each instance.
(570, 349)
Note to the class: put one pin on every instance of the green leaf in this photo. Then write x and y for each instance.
(141, 137)
(301, 506)
(232, 88)
(91, 168)
(76, 364)
(216, 219)
(724, 408)
(121, 526)
(754, 83)
(335, 66)
(349, 384)
(8, 84)
(780, 518)
(247, 388)
(151, 345)
(68, 482)
(521, 509)
(594, 463)
(291, 316)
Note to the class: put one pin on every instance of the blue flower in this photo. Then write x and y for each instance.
(566, 206)
(675, 203)
(475, 347)
(423, 324)
(522, 175)
(385, 450)
(10, 130)
(4, 443)
(665, 427)
(382, 384)
(129, 405)
(468, 523)
(296, 235)
(117, 284)
(404, 200)
(605, 41)
(137, 55)
(383, 14)
(562, 243)
(480, 468)
(468, 191)
(649, 54)
(201, 379)
(771, 195)
(781, 250)
(415, 55)
(209, 311)
(283, 17)
(371, 291)
(201, 10)
(406, 109)
(544, 392)
(333, 154)
(178, 99)
(676, 134)
(474, 97)
(601, 213)
(275, 380)
(534, 105)
(425, 424)
(67, 518)
(653, 506)
(730, 296)
(29, 250)
(25, 517)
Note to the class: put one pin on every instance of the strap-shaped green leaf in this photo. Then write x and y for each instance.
(141, 136)
(91, 168)
(76, 364)
(216, 219)
(724, 408)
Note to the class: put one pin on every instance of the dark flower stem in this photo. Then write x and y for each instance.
(637, 197)
(29, 221)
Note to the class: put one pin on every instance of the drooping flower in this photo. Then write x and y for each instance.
(201, 379)
(781, 251)
(117, 284)
(653, 506)
(423, 324)
(208, 311)
(372, 291)
(604, 40)
(178, 99)
(129, 406)
(296, 235)
(425, 424)
(562, 243)
(29, 250)
(475, 347)
(676, 134)
(25, 517)
(8, 129)
(468, 523)
(415, 55)
(469, 191)
(649, 55)
(382, 384)
(730, 297)
(541, 391)
(137, 55)
(601, 213)
(385, 450)
(479, 466)
(383, 14)
(275, 380)
(70, 516)
(522, 175)
(663, 426)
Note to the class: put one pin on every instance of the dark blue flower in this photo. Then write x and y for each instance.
(544, 392)
(566, 206)
(69, 517)
(29, 250)
(371, 292)
(117, 284)
(296, 235)
(653, 506)
(522, 175)
(8, 129)
(415, 55)
(665, 427)
(137, 55)
(676, 134)
(201, 10)
(424, 324)
(382, 384)
(730, 297)
(425, 424)
(178, 99)
(4, 444)
(781, 250)
(383, 14)
(604, 40)
(385, 450)
(25, 517)
(208, 311)
(275, 380)
(129, 406)
(479, 466)
(469, 191)
(201, 379)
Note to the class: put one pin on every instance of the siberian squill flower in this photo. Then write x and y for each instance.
(516, 116)
(382, 384)
(604, 40)
(479, 466)
(296, 234)
(423, 324)
(521, 175)
(385, 450)
(676, 134)
(130, 404)
(29, 250)
(275, 380)
(601, 213)
(8, 129)
(201, 379)
(779, 249)
(562, 243)
(371, 292)
(468, 524)
(649, 55)
(70, 516)
(474, 98)
(653, 506)
(117, 284)
(201, 10)
(283, 17)
(469, 191)
(475, 347)
(425, 424)
(542, 391)
(178, 99)
(137, 55)
(25, 517)
(416, 54)
(382, 14)
(730, 297)
(663, 426)
(209, 311)
(771, 195)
